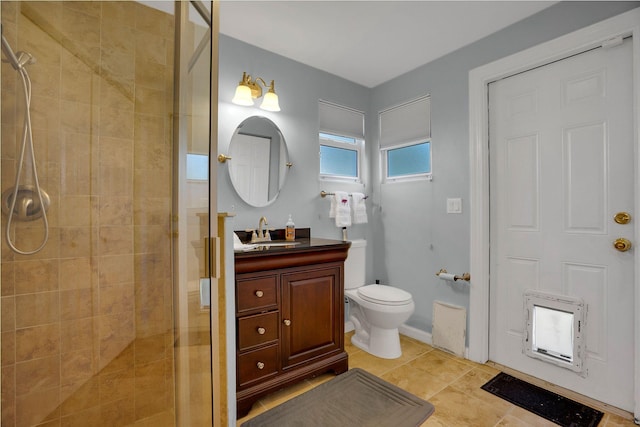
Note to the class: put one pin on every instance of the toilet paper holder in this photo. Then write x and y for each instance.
(447, 276)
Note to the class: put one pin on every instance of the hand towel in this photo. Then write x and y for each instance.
(239, 246)
(359, 208)
(334, 206)
(343, 209)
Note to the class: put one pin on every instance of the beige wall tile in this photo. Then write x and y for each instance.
(75, 117)
(78, 154)
(80, 396)
(30, 237)
(152, 211)
(37, 309)
(150, 349)
(79, 419)
(37, 342)
(36, 276)
(77, 304)
(45, 81)
(77, 367)
(119, 412)
(116, 356)
(116, 269)
(116, 210)
(8, 322)
(116, 298)
(77, 273)
(150, 74)
(7, 284)
(116, 123)
(78, 241)
(150, 48)
(78, 211)
(91, 8)
(116, 240)
(8, 353)
(37, 375)
(7, 395)
(153, 21)
(149, 101)
(77, 335)
(117, 385)
(119, 13)
(38, 407)
(79, 27)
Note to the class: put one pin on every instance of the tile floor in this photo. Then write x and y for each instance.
(450, 383)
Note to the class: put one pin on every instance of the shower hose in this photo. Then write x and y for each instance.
(27, 142)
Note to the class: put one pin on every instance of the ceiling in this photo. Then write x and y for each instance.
(368, 42)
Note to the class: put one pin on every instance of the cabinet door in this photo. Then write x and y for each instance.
(312, 314)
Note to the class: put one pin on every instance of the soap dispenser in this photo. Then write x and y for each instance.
(290, 230)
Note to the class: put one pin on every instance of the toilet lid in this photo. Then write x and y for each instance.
(383, 294)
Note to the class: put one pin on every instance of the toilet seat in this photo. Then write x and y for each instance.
(384, 295)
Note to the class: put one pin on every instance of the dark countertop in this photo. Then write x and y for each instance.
(307, 250)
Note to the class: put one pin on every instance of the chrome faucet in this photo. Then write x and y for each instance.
(262, 236)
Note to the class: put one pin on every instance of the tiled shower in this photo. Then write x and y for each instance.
(87, 322)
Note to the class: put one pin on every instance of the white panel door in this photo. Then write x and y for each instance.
(561, 167)
(250, 168)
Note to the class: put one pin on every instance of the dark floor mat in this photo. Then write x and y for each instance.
(552, 406)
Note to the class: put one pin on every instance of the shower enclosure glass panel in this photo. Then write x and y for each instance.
(88, 323)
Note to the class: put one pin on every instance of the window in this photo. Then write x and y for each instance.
(405, 141)
(341, 139)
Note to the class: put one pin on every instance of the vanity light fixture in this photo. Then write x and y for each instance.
(249, 89)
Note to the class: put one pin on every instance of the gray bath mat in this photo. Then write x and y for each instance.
(355, 398)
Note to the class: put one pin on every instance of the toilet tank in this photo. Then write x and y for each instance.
(354, 265)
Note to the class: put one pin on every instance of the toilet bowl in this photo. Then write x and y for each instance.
(375, 310)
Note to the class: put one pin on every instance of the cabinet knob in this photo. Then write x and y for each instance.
(260, 365)
(261, 331)
(259, 294)
(287, 322)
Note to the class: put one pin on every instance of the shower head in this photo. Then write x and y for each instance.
(8, 52)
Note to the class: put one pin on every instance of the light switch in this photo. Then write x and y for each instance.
(454, 206)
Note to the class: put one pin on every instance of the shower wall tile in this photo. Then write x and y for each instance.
(118, 37)
(77, 241)
(151, 74)
(30, 237)
(79, 211)
(78, 153)
(8, 320)
(116, 210)
(36, 276)
(116, 94)
(37, 309)
(154, 22)
(45, 81)
(119, 13)
(77, 367)
(150, 349)
(116, 123)
(91, 8)
(119, 412)
(8, 134)
(115, 269)
(78, 304)
(150, 48)
(75, 117)
(78, 335)
(78, 397)
(77, 83)
(77, 273)
(149, 101)
(37, 342)
(38, 375)
(116, 298)
(116, 385)
(115, 240)
(8, 111)
(36, 408)
(7, 282)
(152, 211)
(80, 28)
(8, 354)
(7, 395)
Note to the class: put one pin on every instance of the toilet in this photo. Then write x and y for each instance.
(375, 310)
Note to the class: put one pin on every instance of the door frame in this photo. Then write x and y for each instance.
(625, 24)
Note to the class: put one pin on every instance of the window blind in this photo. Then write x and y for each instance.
(342, 121)
(410, 122)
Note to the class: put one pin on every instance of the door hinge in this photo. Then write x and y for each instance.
(612, 42)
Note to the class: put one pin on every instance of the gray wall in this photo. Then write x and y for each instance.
(410, 234)
(414, 236)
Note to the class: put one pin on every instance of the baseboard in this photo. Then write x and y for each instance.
(416, 334)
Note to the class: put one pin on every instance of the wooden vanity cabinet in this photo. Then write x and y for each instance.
(289, 321)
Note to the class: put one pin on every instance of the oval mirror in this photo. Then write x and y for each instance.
(259, 157)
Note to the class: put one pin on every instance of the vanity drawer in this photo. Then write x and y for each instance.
(257, 329)
(257, 365)
(256, 293)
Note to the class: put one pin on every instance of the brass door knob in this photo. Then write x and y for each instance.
(287, 322)
(261, 331)
(622, 218)
(622, 244)
(260, 365)
(259, 294)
